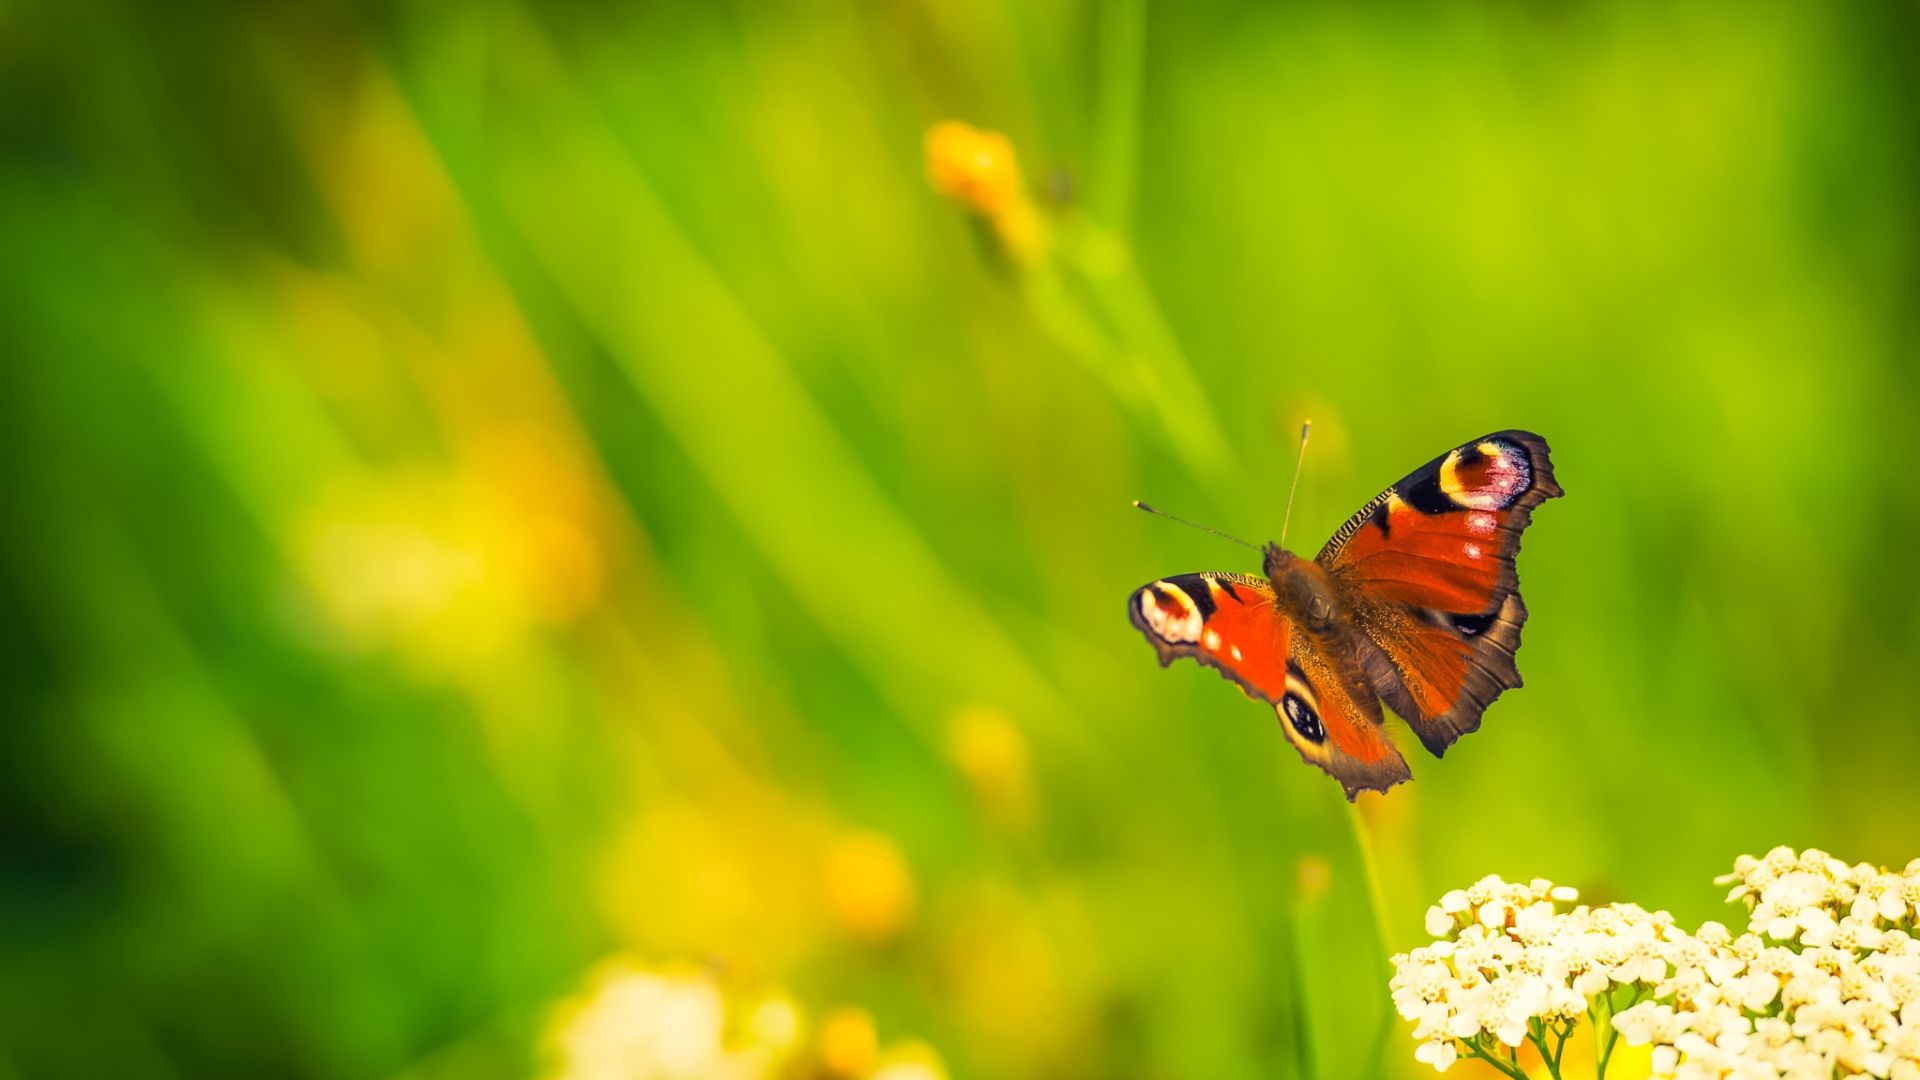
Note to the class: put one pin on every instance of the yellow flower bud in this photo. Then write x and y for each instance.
(974, 168)
(987, 748)
(977, 169)
(868, 886)
(848, 1042)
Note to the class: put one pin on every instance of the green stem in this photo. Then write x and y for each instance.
(1376, 896)
(1474, 1049)
(1306, 923)
(1612, 1033)
(1147, 367)
(1606, 1053)
(1065, 320)
(1537, 1035)
(1377, 900)
(1168, 375)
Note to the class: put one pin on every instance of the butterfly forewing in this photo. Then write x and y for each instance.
(1427, 569)
(1228, 622)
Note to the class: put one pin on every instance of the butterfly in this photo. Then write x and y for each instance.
(1414, 602)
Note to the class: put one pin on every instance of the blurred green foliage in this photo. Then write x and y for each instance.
(492, 486)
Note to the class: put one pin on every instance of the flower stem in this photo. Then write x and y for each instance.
(1537, 1035)
(1377, 900)
(1474, 1049)
(1605, 1024)
(1376, 896)
(1146, 366)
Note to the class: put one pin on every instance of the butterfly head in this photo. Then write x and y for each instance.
(1277, 561)
(1304, 587)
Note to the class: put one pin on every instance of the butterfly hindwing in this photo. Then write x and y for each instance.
(1233, 623)
(1353, 746)
(1427, 568)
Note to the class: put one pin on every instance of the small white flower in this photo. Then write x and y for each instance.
(1564, 1003)
(1816, 927)
(1754, 992)
(1537, 923)
(1648, 1022)
(1438, 1053)
(1589, 983)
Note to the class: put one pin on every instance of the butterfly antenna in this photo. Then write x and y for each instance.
(1162, 513)
(1306, 428)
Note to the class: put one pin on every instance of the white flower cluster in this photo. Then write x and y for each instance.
(642, 1023)
(1824, 983)
(1511, 966)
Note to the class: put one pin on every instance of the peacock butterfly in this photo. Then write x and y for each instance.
(1414, 601)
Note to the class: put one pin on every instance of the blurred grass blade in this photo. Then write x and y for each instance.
(695, 354)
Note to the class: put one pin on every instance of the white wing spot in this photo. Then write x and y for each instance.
(1181, 625)
(1236, 651)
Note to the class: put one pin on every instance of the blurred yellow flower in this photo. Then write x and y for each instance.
(544, 504)
(848, 1042)
(745, 871)
(452, 568)
(974, 168)
(911, 1060)
(867, 886)
(776, 1024)
(988, 749)
(978, 170)
(409, 561)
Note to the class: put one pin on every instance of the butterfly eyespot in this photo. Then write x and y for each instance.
(1490, 475)
(1170, 613)
(1301, 717)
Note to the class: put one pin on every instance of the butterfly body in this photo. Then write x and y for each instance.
(1414, 602)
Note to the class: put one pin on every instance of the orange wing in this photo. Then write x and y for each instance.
(1231, 623)
(1428, 570)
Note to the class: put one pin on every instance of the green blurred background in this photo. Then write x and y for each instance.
(494, 487)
